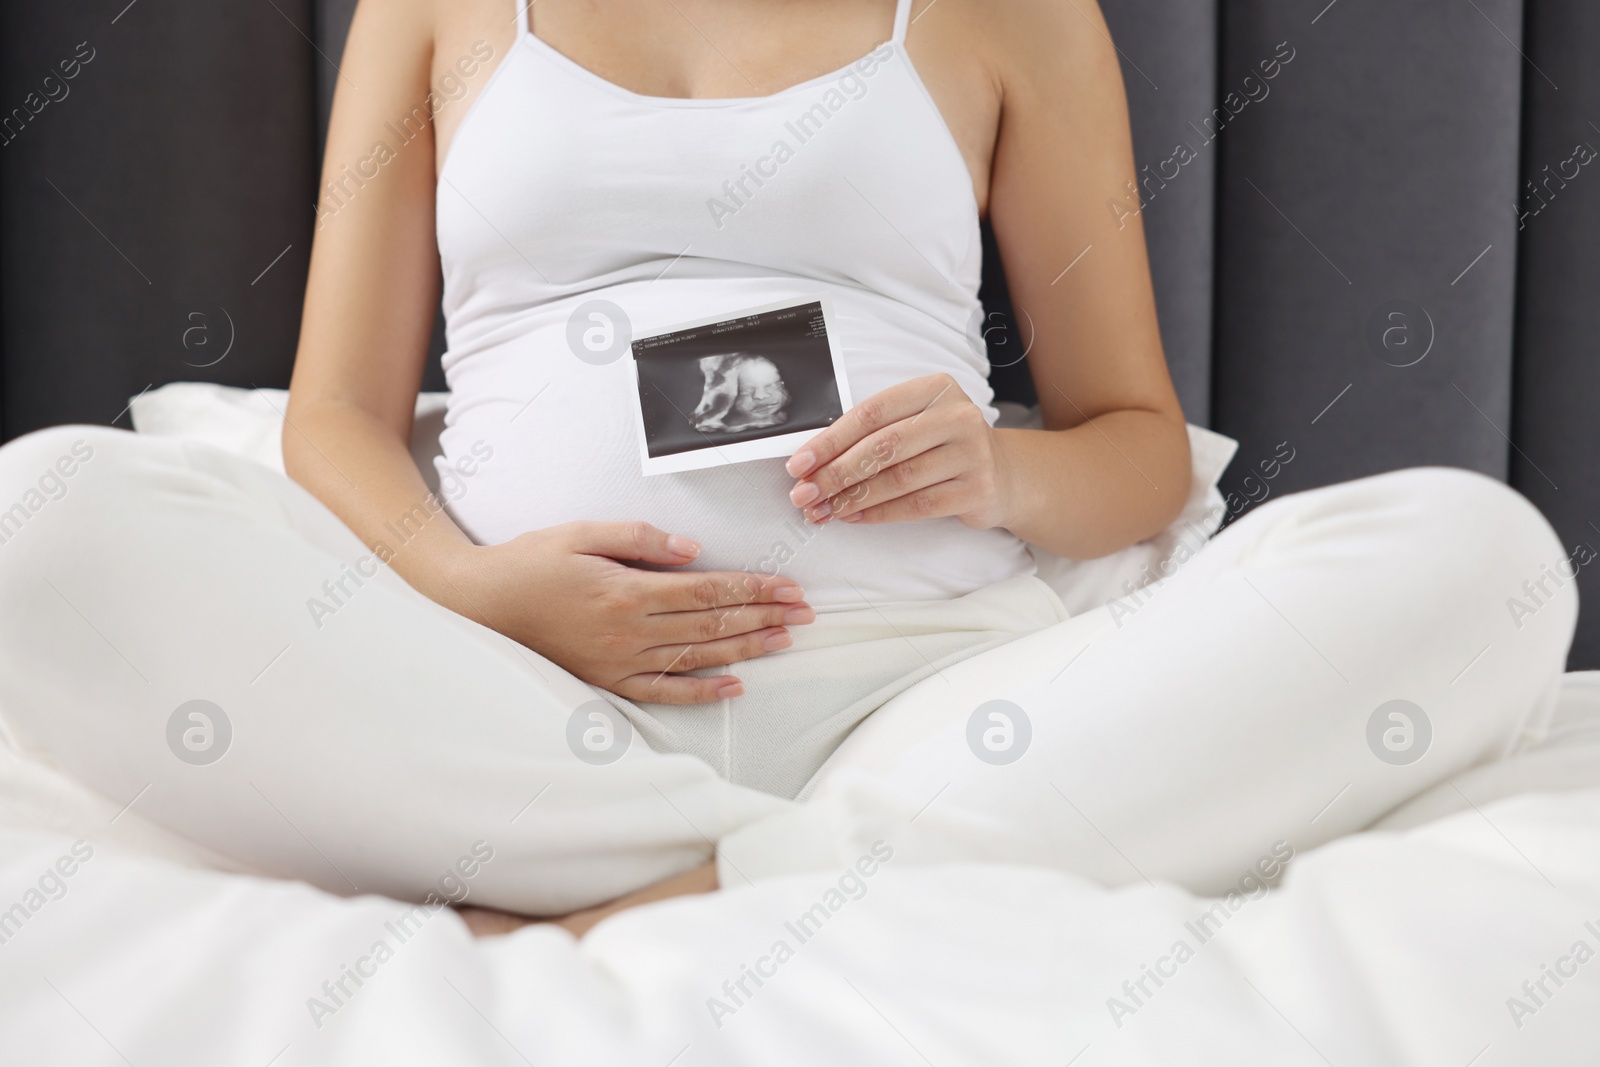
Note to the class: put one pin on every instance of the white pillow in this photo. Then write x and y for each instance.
(1088, 583)
(249, 422)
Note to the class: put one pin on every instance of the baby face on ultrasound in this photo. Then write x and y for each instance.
(742, 392)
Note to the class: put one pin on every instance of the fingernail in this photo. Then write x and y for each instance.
(774, 641)
(820, 512)
(730, 689)
(789, 594)
(803, 614)
(801, 462)
(682, 546)
(804, 493)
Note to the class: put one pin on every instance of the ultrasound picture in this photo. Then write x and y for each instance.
(751, 387)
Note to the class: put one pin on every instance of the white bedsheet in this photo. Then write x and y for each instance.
(1430, 945)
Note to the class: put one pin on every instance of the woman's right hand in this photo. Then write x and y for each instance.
(567, 593)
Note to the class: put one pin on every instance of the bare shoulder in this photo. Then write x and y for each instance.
(1050, 45)
(468, 40)
(986, 60)
(458, 25)
(1064, 104)
(402, 26)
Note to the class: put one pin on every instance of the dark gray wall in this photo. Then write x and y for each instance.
(1555, 415)
(1384, 163)
(1328, 235)
(1365, 212)
(141, 209)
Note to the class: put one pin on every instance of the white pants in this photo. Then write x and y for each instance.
(1230, 714)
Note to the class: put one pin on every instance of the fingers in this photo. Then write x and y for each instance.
(836, 483)
(861, 461)
(700, 655)
(658, 688)
(903, 479)
(944, 498)
(668, 686)
(697, 640)
(631, 541)
(682, 627)
(708, 590)
(936, 422)
(904, 401)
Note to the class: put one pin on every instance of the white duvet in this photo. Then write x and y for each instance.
(1464, 930)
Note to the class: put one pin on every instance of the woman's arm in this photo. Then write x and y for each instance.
(1112, 466)
(1116, 469)
(370, 301)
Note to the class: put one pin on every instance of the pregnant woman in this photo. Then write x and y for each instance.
(601, 679)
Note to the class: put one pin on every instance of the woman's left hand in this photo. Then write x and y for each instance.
(918, 450)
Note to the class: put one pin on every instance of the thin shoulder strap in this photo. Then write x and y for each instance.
(524, 15)
(902, 19)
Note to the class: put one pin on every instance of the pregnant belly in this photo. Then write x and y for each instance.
(741, 515)
(550, 439)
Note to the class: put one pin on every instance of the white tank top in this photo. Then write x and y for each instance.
(562, 187)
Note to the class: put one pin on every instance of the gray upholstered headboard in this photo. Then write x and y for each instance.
(1373, 190)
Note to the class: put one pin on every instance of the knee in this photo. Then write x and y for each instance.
(1463, 507)
(39, 467)
(61, 451)
(1489, 535)
(1442, 511)
(43, 468)
(1456, 525)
